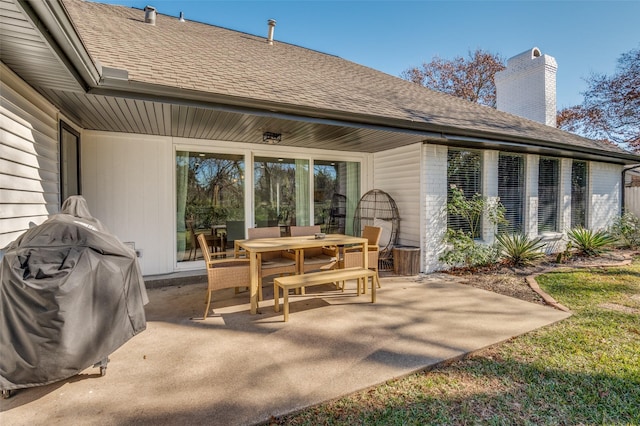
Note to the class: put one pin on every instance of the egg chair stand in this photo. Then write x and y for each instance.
(377, 208)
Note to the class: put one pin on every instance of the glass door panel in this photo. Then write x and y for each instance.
(209, 200)
(336, 194)
(281, 192)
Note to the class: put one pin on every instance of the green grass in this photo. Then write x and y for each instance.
(583, 370)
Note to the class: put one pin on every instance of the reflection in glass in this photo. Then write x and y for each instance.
(281, 191)
(335, 195)
(209, 198)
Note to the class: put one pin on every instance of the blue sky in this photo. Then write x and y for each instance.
(391, 36)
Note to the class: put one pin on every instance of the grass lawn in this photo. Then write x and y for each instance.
(582, 371)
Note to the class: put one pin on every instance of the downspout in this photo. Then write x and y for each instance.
(624, 172)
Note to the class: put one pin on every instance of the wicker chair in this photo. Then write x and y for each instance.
(214, 241)
(320, 258)
(275, 262)
(352, 257)
(222, 273)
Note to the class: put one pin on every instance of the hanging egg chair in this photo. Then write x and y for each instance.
(377, 208)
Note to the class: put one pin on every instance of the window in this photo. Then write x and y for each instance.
(548, 192)
(336, 192)
(209, 199)
(511, 191)
(464, 171)
(69, 162)
(579, 194)
(281, 192)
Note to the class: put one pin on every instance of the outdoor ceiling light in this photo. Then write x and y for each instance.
(271, 138)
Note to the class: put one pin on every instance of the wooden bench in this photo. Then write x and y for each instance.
(287, 283)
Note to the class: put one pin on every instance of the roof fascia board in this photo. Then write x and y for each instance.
(529, 148)
(53, 22)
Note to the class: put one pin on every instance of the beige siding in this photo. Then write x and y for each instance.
(632, 200)
(29, 177)
(397, 172)
(127, 181)
(605, 181)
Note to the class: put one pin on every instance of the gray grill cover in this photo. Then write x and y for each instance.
(71, 294)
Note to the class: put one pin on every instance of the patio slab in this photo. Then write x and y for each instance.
(239, 369)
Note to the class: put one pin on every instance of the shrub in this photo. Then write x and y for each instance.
(590, 243)
(465, 252)
(462, 250)
(626, 229)
(519, 250)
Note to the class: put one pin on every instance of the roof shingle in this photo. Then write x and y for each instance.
(219, 61)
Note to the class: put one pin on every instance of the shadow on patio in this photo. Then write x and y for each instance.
(236, 368)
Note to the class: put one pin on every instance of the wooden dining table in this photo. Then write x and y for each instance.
(255, 247)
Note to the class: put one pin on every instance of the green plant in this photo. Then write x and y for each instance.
(626, 229)
(519, 249)
(462, 250)
(590, 243)
(565, 255)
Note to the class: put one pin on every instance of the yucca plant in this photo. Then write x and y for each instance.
(590, 243)
(520, 250)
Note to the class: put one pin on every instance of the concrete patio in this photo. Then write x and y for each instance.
(240, 369)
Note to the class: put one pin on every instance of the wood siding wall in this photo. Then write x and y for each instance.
(29, 172)
(397, 172)
(632, 200)
(128, 183)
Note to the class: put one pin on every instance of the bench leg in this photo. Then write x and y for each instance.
(276, 297)
(374, 284)
(285, 302)
(361, 285)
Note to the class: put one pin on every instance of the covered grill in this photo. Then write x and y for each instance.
(70, 294)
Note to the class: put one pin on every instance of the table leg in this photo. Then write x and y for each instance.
(300, 262)
(365, 254)
(254, 263)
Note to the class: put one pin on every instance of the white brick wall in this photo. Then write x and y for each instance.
(604, 194)
(435, 204)
(531, 195)
(603, 199)
(490, 191)
(565, 194)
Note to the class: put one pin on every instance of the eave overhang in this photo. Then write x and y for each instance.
(52, 20)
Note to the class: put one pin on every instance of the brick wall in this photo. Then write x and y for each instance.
(435, 204)
(527, 87)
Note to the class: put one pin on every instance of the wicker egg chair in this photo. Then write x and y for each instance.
(377, 208)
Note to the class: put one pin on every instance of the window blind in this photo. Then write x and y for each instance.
(511, 191)
(579, 194)
(464, 170)
(548, 192)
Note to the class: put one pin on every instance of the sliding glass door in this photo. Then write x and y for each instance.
(211, 188)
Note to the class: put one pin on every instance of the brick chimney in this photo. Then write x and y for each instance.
(527, 87)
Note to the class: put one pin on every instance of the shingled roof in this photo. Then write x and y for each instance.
(237, 66)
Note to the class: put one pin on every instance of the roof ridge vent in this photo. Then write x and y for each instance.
(150, 15)
(272, 25)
